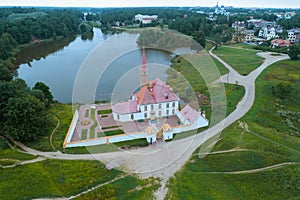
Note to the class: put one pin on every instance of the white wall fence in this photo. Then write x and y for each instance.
(71, 129)
(107, 139)
(201, 122)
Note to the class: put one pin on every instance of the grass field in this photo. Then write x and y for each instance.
(268, 142)
(52, 178)
(234, 93)
(242, 60)
(65, 115)
(7, 153)
(126, 188)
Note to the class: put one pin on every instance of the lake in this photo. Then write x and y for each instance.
(61, 64)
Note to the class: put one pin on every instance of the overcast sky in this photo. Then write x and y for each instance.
(143, 3)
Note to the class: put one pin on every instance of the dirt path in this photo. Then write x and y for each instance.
(221, 152)
(51, 136)
(256, 170)
(84, 192)
(265, 138)
(38, 159)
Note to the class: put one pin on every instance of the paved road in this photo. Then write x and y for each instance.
(164, 159)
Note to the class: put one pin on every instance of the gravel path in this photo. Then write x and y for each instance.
(164, 159)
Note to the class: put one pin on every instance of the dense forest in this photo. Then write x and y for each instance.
(24, 111)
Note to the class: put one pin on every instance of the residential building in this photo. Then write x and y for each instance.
(280, 43)
(294, 35)
(145, 19)
(249, 35)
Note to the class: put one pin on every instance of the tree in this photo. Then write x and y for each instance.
(199, 37)
(48, 97)
(7, 91)
(5, 74)
(26, 118)
(294, 52)
(7, 44)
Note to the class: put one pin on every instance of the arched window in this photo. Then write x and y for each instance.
(132, 116)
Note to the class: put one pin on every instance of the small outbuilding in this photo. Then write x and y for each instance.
(167, 132)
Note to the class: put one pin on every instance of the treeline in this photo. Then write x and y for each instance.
(20, 26)
(24, 111)
(27, 27)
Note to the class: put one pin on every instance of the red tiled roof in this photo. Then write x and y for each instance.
(155, 92)
(125, 107)
(190, 114)
(281, 42)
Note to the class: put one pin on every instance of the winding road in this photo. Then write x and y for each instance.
(164, 159)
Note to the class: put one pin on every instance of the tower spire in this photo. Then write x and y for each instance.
(144, 66)
(143, 70)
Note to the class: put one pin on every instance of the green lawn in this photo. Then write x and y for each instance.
(84, 134)
(132, 143)
(113, 132)
(52, 178)
(234, 93)
(269, 141)
(103, 148)
(101, 112)
(126, 188)
(93, 127)
(223, 70)
(243, 61)
(87, 113)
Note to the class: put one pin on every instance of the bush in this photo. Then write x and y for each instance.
(294, 52)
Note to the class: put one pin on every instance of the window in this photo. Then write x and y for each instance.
(118, 117)
(159, 106)
(159, 113)
(152, 107)
(167, 112)
(173, 111)
(145, 108)
(145, 115)
(167, 105)
(132, 116)
(173, 104)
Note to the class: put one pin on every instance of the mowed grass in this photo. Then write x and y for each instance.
(101, 112)
(268, 142)
(234, 93)
(113, 132)
(129, 187)
(95, 124)
(52, 178)
(243, 61)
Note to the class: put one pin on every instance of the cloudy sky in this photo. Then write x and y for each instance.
(143, 3)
